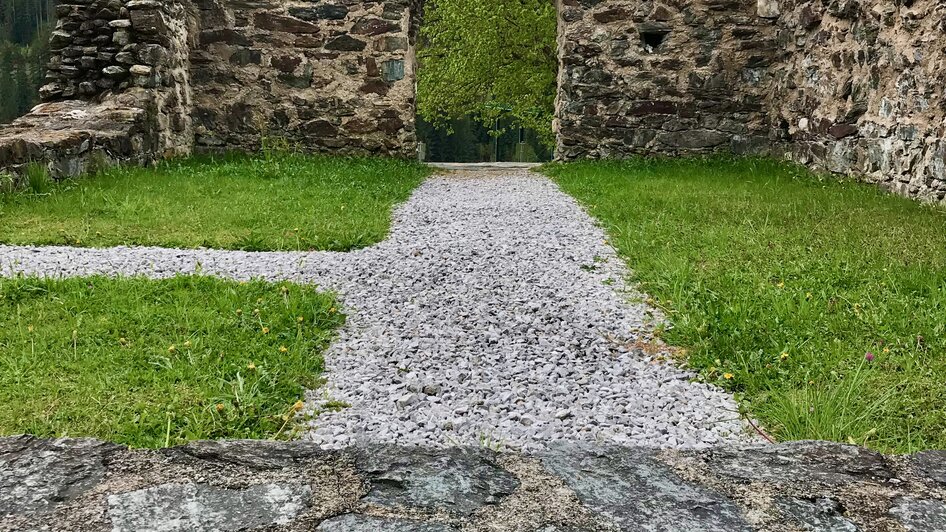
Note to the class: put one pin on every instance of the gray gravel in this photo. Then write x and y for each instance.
(495, 313)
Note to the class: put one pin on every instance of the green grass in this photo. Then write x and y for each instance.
(155, 363)
(777, 284)
(267, 202)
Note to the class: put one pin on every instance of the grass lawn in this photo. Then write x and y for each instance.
(155, 363)
(778, 284)
(276, 202)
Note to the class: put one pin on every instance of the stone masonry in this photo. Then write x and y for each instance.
(219, 75)
(859, 91)
(849, 86)
(329, 76)
(86, 485)
(116, 91)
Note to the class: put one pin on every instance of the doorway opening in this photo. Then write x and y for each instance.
(467, 140)
(487, 76)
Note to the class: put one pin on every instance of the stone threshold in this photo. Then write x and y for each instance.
(88, 485)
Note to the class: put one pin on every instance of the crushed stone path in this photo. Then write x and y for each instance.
(495, 314)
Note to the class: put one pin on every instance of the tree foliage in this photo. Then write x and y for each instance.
(21, 20)
(24, 32)
(489, 59)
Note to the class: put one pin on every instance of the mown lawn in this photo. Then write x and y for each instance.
(821, 303)
(256, 203)
(155, 363)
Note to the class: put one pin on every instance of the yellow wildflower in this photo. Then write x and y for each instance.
(265, 330)
(784, 356)
(187, 343)
(300, 319)
(283, 349)
(251, 366)
(728, 376)
(220, 407)
(172, 349)
(298, 406)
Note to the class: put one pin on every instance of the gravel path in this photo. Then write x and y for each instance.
(495, 313)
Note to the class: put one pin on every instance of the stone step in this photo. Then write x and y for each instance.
(87, 485)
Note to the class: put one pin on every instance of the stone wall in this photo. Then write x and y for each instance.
(85, 486)
(644, 77)
(327, 76)
(860, 90)
(88, 53)
(220, 75)
(116, 90)
(850, 86)
(853, 87)
(75, 137)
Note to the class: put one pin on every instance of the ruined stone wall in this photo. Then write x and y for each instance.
(116, 90)
(854, 87)
(643, 77)
(850, 86)
(108, 45)
(327, 76)
(860, 90)
(87, 50)
(164, 77)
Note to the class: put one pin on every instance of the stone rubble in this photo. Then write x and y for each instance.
(495, 314)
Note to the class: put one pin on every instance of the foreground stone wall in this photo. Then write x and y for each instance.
(327, 76)
(85, 485)
(859, 90)
(849, 86)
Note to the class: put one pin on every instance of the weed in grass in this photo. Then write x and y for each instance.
(37, 179)
(836, 410)
(277, 200)
(781, 280)
(156, 363)
(7, 184)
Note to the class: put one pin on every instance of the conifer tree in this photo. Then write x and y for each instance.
(24, 31)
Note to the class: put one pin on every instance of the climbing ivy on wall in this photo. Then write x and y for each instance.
(489, 59)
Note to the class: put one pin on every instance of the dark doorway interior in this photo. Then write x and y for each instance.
(469, 141)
